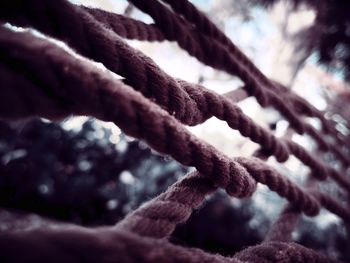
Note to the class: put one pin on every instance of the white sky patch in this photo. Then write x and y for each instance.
(325, 218)
(112, 204)
(301, 140)
(301, 20)
(74, 123)
(281, 127)
(126, 177)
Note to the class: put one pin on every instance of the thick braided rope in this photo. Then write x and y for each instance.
(173, 97)
(198, 19)
(215, 101)
(202, 24)
(71, 235)
(212, 53)
(24, 49)
(333, 206)
(295, 149)
(57, 74)
(320, 171)
(60, 100)
(142, 31)
(159, 217)
(166, 90)
(190, 45)
(207, 51)
(127, 27)
(69, 243)
(132, 29)
(190, 104)
(31, 64)
(280, 252)
(282, 229)
(187, 39)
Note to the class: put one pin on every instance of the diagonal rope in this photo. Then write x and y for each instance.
(43, 79)
(176, 96)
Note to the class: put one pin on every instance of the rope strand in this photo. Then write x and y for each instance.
(41, 78)
(190, 103)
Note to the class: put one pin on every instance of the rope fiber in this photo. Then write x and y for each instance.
(42, 78)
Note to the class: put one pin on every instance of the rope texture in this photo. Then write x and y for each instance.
(43, 79)
(184, 100)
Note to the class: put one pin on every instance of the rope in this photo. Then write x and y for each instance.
(208, 28)
(189, 102)
(105, 97)
(72, 243)
(126, 27)
(159, 217)
(232, 61)
(206, 54)
(148, 32)
(78, 244)
(60, 72)
(43, 79)
(280, 252)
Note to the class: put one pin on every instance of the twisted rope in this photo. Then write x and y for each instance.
(159, 217)
(69, 243)
(25, 68)
(189, 103)
(127, 27)
(280, 252)
(147, 32)
(209, 51)
(42, 79)
(202, 24)
(58, 73)
(295, 149)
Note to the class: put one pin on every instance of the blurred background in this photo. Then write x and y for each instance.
(88, 172)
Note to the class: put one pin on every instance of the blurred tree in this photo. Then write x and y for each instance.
(329, 36)
(75, 176)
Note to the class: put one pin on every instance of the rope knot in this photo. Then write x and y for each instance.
(240, 183)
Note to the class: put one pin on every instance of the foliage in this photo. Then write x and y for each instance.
(74, 176)
(329, 36)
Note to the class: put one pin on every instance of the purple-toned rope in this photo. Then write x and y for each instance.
(57, 75)
(69, 243)
(202, 24)
(187, 101)
(42, 79)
